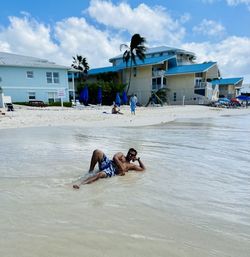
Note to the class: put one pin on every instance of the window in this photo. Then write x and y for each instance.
(31, 95)
(174, 97)
(52, 77)
(199, 75)
(198, 83)
(157, 83)
(49, 77)
(30, 74)
(53, 97)
(56, 77)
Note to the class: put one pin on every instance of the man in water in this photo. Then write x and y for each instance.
(107, 168)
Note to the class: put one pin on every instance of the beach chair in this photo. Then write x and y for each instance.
(9, 107)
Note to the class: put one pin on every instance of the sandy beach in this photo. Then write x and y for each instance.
(100, 116)
(192, 201)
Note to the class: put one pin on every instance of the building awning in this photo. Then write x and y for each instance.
(190, 68)
(227, 81)
(103, 70)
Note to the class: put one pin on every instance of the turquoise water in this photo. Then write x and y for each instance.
(193, 200)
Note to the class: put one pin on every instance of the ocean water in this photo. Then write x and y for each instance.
(193, 200)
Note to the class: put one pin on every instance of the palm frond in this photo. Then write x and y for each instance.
(126, 56)
(133, 58)
(140, 55)
(136, 41)
(123, 46)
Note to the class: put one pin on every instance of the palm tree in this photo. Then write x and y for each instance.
(136, 49)
(80, 63)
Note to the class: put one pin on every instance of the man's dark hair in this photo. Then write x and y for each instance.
(132, 150)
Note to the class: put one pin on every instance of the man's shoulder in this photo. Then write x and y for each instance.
(118, 154)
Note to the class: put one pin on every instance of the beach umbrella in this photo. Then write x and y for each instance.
(124, 97)
(84, 95)
(224, 99)
(117, 99)
(243, 98)
(99, 95)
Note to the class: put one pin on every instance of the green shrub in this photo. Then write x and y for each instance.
(21, 103)
(65, 104)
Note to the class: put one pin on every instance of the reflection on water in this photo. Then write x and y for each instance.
(193, 200)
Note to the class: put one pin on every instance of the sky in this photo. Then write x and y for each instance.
(215, 30)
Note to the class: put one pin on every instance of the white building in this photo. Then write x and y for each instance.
(28, 78)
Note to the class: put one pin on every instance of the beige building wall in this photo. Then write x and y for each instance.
(181, 85)
(212, 72)
(227, 90)
(141, 84)
(231, 91)
(223, 89)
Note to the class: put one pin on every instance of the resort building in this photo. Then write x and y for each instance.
(28, 78)
(176, 71)
(245, 90)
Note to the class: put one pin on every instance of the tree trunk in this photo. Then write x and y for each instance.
(130, 74)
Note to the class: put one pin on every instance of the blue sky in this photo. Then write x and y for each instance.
(215, 30)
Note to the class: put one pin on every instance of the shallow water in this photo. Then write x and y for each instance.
(193, 200)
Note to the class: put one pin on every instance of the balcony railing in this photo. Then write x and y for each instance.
(157, 73)
(200, 85)
(156, 87)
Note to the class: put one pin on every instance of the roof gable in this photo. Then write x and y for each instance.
(158, 50)
(9, 59)
(227, 81)
(190, 68)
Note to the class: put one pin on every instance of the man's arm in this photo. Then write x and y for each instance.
(135, 167)
(118, 161)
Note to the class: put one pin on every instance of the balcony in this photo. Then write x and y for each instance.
(200, 88)
(157, 73)
(200, 85)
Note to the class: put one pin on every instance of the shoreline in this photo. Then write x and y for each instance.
(100, 116)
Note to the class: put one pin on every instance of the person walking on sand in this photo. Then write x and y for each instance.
(107, 168)
(133, 102)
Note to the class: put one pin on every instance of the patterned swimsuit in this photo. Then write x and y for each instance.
(108, 166)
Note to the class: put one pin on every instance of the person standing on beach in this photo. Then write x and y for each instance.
(133, 102)
(107, 168)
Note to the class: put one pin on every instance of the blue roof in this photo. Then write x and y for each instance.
(190, 68)
(103, 70)
(228, 81)
(158, 50)
(151, 60)
(147, 61)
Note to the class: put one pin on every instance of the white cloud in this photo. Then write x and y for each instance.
(76, 36)
(230, 54)
(237, 2)
(153, 23)
(185, 18)
(230, 2)
(4, 46)
(26, 35)
(209, 28)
